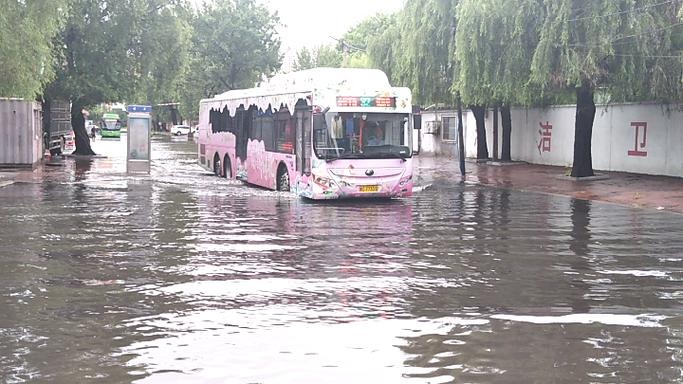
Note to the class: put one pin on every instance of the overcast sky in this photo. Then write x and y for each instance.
(309, 23)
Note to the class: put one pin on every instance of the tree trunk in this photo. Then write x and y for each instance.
(583, 130)
(174, 115)
(81, 135)
(495, 133)
(482, 148)
(507, 132)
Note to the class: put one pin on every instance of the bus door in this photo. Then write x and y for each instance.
(303, 140)
(242, 128)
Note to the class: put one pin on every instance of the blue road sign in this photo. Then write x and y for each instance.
(139, 108)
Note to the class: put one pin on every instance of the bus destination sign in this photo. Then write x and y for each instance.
(366, 101)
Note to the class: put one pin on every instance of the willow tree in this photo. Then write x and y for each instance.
(27, 56)
(384, 50)
(495, 42)
(621, 47)
(416, 49)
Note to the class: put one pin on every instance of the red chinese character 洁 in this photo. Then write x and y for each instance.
(545, 133)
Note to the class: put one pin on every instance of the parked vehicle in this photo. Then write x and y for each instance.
(180, 130)
(59, 136)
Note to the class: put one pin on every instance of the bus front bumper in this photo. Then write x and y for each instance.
(320, 188)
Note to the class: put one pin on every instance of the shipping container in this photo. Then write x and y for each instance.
(21, 143)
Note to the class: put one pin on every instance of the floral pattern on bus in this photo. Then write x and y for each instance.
(262, 165)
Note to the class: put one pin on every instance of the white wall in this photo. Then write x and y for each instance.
(613, 137)
(432, 144)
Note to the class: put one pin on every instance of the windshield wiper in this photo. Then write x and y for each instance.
(387, 155)
(352, 156)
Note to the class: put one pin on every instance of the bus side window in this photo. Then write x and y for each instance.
(241, 123)
(303, 140)
(268, 130)
(255, 133)
(298, 115)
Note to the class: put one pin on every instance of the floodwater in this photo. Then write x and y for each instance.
(183, 277)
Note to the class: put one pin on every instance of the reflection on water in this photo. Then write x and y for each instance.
(180, 276)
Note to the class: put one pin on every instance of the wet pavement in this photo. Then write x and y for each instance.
(183, 277)
(630, 189)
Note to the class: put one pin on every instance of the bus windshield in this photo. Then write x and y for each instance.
(349, 135)
(111, 121)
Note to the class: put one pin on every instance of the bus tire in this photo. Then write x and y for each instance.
(283, 184)
(227, 167)
(217, 165)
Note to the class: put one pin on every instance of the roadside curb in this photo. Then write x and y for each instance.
(596, 177)
(84, 157)
(506, 163)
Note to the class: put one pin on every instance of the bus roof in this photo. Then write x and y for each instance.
(330, 78)
(320, 83)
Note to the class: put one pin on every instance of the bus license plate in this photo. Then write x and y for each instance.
(369, 188)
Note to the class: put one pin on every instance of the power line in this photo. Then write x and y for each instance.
(649, 56)
(645, 33)
(618, 40)
(622, 12)
(345, 43)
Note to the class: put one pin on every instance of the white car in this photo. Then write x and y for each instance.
(179, 130)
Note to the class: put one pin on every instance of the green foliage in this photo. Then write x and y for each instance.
(358, 38)
(416, 49)
(328, 56)
(95, 113)
(360, 35)
(359, 60)
(234, 44)
(623, 46)
(27, 57)
(304, 60)
(101, 44)
(320, 56)
(531, 52)
(495, 42)
(384, 50)
(162, 54)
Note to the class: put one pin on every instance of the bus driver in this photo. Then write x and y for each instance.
(378, 138)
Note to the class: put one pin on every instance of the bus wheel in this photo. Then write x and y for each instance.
(227, 168)
(217, 165)
(282, 179)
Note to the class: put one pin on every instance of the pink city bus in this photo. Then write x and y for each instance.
(323, 133)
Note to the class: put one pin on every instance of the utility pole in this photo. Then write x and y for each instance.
(461, 143)
(345, 53)
(495, 133)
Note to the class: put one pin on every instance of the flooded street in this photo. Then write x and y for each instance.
(184, 277)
